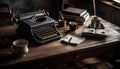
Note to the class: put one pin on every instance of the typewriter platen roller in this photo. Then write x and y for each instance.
(38, 29)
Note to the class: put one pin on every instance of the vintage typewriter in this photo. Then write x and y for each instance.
(38, 28)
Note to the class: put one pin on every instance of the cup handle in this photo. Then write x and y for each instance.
(12, 49)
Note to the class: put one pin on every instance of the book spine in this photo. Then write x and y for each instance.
(86, 16)
(74, 18)
(83, 13)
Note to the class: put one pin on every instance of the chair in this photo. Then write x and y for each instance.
(7, 26)
(6, 17)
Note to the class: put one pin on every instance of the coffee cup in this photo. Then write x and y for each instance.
(19, 47)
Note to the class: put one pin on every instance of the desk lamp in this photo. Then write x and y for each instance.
(94, 7)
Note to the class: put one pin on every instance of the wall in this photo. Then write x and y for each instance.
(24, 6)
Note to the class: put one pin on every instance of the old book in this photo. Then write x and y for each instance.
(74, 18)
(74, 11)
(75, 14)
(96, 33)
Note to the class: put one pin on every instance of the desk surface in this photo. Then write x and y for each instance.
(56, 49)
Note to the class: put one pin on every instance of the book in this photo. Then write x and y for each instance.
(74, 11)
(74, 18)
(96, 33)
(72, 40)
(89, 30)
(86, 16)
(75, 14)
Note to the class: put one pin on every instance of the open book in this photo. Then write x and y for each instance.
(72, 40)
(91, 32)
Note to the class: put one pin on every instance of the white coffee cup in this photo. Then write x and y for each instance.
(19, 47)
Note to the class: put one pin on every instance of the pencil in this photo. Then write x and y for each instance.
(70, 40)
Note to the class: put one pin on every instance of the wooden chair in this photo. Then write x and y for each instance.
(7, 25)
(5, 14)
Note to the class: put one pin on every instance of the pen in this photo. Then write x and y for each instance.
(70, 40)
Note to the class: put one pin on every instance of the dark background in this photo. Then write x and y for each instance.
(52, 6)
(24, 6)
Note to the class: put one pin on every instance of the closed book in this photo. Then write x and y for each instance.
(74, 18)
(74, 11)
(86, 16)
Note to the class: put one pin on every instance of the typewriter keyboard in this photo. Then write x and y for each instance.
(44, 33)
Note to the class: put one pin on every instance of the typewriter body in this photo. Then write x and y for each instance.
(38, 28)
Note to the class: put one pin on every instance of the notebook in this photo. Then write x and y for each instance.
(72, 40)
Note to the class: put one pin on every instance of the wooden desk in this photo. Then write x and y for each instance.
(55, 52)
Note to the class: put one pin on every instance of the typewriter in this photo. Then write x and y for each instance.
(38, 28)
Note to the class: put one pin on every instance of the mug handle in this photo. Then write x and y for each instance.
(12, 49)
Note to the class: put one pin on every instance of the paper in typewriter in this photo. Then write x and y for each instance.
(72, 40)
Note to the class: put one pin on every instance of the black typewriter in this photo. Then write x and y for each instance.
(38, 28)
